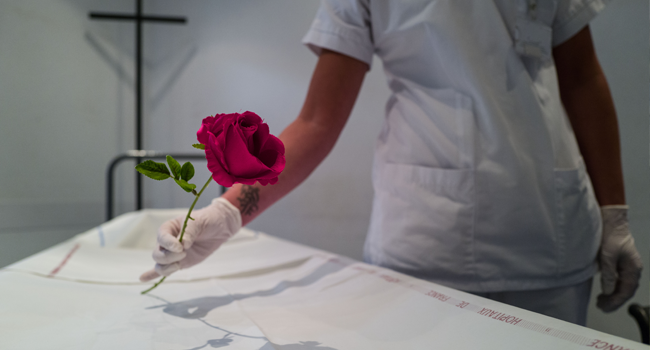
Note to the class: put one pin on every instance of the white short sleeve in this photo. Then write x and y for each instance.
(342, 26)
(572, 16)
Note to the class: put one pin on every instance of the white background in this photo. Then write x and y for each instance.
(67, 108)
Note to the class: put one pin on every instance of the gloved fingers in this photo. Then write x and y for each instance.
(631, 262)
(624, 265)
(149, 275)
(629, 274)
(608, 274)
(164, 256)
(630, 269)
(188, 241)
(620, 262)
(200, 252)
(168, 236)
(624, 291)
(609, 303)
(192, 231)
(166, 270)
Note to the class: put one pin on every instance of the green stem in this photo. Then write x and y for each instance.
(192, 207)
(180, 239)
(154, 286)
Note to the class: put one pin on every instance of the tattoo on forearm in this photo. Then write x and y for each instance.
(248, 199)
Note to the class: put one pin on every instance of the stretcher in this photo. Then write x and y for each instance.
(256, 292)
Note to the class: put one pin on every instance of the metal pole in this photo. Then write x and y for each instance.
(138, 102)
(138, 17)
(126, 17)
(109, 184)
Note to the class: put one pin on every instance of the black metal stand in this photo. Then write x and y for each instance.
(641, 314)
(138, 18)
(137, 155)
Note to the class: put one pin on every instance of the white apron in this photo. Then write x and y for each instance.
(479, 183)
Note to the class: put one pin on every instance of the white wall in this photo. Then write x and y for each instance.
(64, 112)
(66, 108)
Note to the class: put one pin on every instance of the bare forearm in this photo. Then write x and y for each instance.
(593, 118)
(589, 105)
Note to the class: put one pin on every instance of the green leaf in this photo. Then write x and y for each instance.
(199, 146)
(156, 171)
(187, 187)
(174, 166)
(187, 171)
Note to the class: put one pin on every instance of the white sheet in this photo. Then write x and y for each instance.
(256, 292)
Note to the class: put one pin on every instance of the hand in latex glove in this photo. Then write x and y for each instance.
(620, 262)
(211, 227)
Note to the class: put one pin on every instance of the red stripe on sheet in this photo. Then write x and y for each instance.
(65, 260)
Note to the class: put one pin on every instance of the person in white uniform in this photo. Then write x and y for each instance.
(497, 170)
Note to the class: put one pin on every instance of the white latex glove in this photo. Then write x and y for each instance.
(620, 262)
(211, 227)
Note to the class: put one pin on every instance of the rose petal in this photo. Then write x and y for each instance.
(262, 130)
(219, 144)
(252, 118)
(260, 137)
(220, 176)
(240, 163)
(245, 181)
(213, 154)
(246, 133)
(214, 125)
(239, 149)
(274, 143)
(250, 123)
(266, 174)
(202, 134)
(222, 120)
(272, 154)
(273, 160)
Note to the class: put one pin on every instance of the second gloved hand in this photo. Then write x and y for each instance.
(620, 262)
(211, 227)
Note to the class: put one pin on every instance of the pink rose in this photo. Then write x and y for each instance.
(239, 149)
